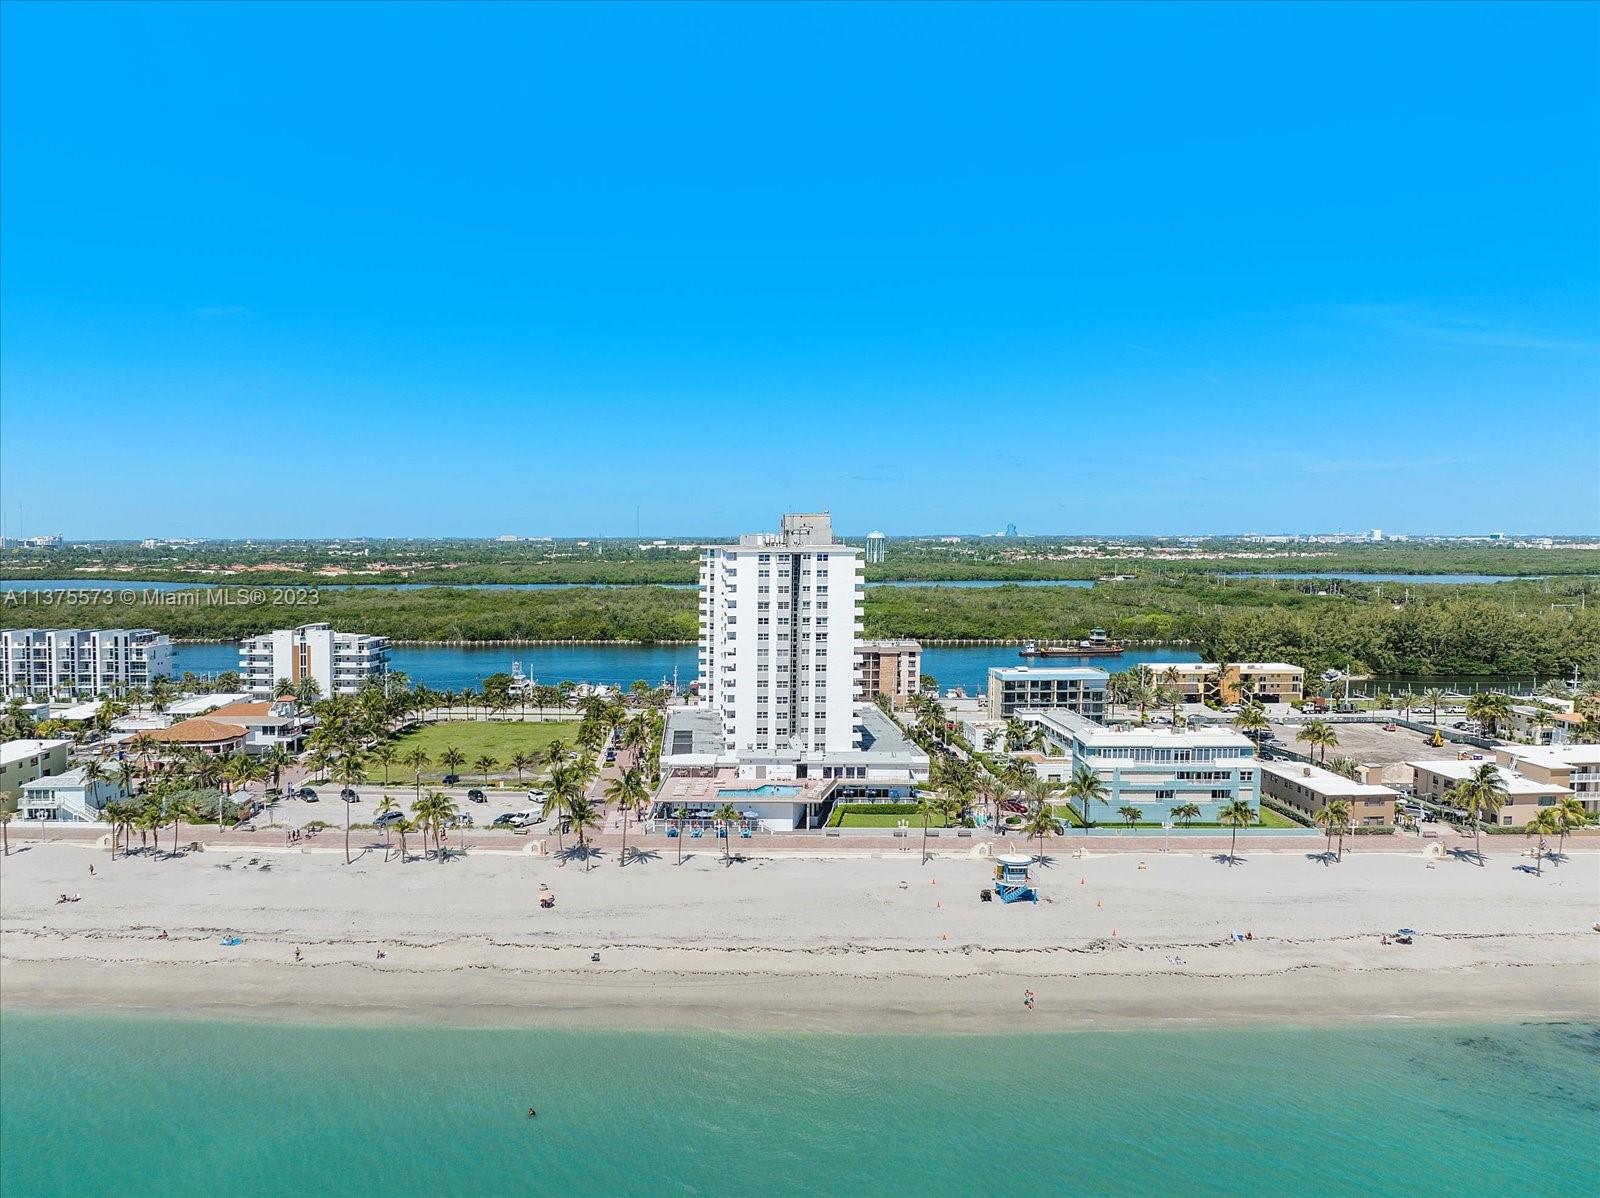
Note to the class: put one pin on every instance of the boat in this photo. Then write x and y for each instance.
(1096, 646)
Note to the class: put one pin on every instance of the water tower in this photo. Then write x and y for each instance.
(876, 543)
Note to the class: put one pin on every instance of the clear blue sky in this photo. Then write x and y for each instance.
(289, 269)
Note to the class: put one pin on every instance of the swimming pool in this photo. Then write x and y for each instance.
(766, 790)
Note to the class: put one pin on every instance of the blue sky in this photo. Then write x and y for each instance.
(424, 270)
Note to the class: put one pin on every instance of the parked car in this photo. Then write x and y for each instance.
(476, 796)
(513, 819)
(537, 796)
(307, 795)
(349, 795)
(451, 779)
(387, 818)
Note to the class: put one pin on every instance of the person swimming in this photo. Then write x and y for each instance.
(532, 1113)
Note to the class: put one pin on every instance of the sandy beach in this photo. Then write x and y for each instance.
(841, 944)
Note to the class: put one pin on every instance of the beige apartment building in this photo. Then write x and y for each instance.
(1309, 788)
(1264, 681)
(1576, 767)
(1432, 780)
(889, 667)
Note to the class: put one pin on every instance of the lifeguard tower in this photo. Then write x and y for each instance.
(1012, 881)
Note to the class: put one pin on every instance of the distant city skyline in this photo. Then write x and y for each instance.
(678, 266)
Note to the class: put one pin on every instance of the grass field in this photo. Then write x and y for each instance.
(863, 820)
(474, 738)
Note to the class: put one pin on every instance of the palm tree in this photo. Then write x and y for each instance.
(1571, 813)
(401, 827)
(1251, 720)
(727, 815)
(584, 817)
(1130, 815)
(1332, 817)
(1186, 813)
(1318, 734)
(1039, 823)
(521, 761)
(177, 810)
(1481, 792)
(625, 790)
(417, 758)
(1237, 814)
(1489, 708)
(566, 787)
(385, 755)
(1433, 698)
(927, 805)
(351, 773)
(93, 771)
(5, 837)
(555, 752)
(452, 759)
(385, 805)
(1546, 823)
(1087, 787)
(318, 761)
(483, 765)
(444, 811)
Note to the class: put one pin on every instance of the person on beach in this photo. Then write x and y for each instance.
(297, 952)
(91, 871)
(1027, 999)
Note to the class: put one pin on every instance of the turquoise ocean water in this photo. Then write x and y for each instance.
(127, 1105)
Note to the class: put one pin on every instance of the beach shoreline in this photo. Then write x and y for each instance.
(815, 945)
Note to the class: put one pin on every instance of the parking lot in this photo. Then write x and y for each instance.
(1369, 744)
(329, 808)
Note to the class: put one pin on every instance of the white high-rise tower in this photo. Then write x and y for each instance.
(779, 618)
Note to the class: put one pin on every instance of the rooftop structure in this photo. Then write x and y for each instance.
(202, 704)
(67, 797)
(1574, 766)
(1075, 688)
(211, 736)
(877, 546)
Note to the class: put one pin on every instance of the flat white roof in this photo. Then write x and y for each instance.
(1326, 782)
(1085, 673)
(1514, 782)
(1254, 667)
(18, 750)
(79, 711)
(1097, 735)
(200, 704)
(1555, 756)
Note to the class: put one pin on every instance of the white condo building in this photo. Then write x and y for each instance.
(782, 729)
(82, 663)
(779, 616)
(339, 662)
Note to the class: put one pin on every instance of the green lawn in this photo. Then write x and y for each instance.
(1271, 819)
(864, 820)
(474, 738)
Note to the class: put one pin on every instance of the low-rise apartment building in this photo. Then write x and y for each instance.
(1153, 769)
(1525, 796)
(892, 668)
(1043, 688)
(339, 662)
(21, 761)
(68, 663)
(1577, 767)
(1263, 681)
(1309, 788)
